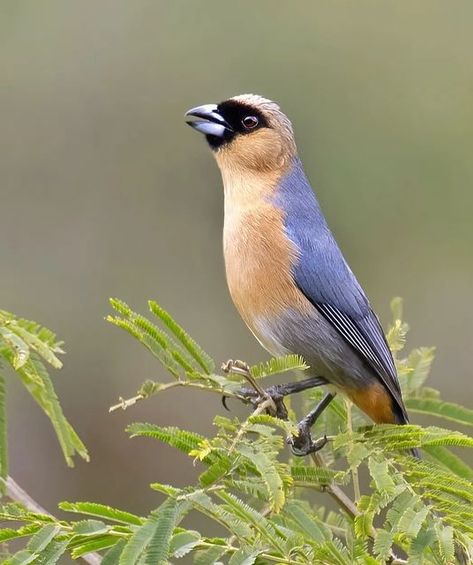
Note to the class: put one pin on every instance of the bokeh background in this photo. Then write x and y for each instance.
(105, 192)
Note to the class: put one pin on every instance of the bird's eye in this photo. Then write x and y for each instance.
(250, 122)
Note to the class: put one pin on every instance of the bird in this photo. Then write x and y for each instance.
(286, 274)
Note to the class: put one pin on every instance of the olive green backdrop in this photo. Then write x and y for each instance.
(106, 192)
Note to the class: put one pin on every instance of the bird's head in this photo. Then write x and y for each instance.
(246, 133)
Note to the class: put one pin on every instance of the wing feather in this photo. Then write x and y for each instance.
(324, 277)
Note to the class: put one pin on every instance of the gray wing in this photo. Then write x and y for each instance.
(324, 277)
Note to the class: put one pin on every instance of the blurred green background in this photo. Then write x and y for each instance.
(106, 192)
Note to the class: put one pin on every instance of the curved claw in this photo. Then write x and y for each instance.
(224, 402)
(251, 396)
(238, 367)
(304, 445)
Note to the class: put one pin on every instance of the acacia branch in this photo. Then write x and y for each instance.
(343, 500)
(17, 494)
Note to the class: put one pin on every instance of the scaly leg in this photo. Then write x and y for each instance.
(256, 395)
(278, 392)
(303, 444)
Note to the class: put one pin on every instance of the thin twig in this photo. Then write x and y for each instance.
(125, 403)
(17, 494)
(354, 471)
(347, 504)
(335, 491)
(241, 368)
(258, 410)
(235, 367)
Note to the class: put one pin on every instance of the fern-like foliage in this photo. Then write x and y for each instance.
(270, 506)
(28, 348)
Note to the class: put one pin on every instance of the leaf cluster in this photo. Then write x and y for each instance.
(270, 507)
(28, 348)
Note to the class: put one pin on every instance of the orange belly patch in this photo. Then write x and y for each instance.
(375, 401)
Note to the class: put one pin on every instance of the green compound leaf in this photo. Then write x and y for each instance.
(278, 365)
(183, 440)
(438, 408)
(102, 511)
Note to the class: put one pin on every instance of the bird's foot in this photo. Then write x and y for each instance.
(254, 394)
(256, 398)
(237, 367)
(303, 444)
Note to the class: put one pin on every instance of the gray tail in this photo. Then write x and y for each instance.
(402, 418)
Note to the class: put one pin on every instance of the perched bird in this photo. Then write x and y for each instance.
(286, 274)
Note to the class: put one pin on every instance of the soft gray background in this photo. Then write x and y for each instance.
(105, 192)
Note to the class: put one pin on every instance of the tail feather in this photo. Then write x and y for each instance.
(401, 418)
(377, 402)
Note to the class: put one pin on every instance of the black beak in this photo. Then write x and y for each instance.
(209, 121)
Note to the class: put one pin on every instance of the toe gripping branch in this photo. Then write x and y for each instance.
(302, 444)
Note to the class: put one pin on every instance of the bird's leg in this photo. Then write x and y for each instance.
(278, 392)
(303, 444)
(256, 395)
